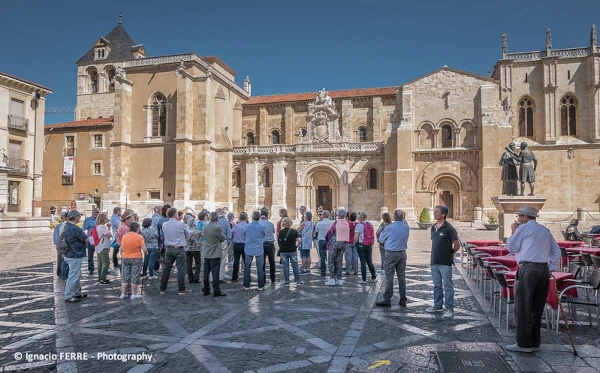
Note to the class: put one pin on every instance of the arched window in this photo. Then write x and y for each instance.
(362, 134)
(568, 116)
(267, 178)
(373, 178)
(525, 117)
(426, 138)
(93, 73)
(446, 136)
(275, 137)
(111, 79)
(250, 138)
(159, 115)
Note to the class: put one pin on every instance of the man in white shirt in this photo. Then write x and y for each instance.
(322, 227)
(537, 253)
(176, 234)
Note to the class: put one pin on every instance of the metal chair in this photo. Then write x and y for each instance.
(508, 300)
(588, 264)
(594, 284)
(596, 261)
(569, 257)
(574, 269)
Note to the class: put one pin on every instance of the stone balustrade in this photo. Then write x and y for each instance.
(310, 148)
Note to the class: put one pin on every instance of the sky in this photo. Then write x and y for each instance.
(290, 46)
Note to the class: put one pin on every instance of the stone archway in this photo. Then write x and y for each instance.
(447, 192)
(321, 187)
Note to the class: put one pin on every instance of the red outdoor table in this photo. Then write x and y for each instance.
(595, 236)
(551, 298)
(567, 244)
(584, 249)
(481, 243)
(493, 250)
(508, 260)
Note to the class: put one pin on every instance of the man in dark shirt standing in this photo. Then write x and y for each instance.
(444, 243)
(76, 242)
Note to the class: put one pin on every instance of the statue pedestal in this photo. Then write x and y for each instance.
(508, 206)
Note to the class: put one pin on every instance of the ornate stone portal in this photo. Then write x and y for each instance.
(322, 120)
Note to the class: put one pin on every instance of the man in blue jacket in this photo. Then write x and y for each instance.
(76, 242)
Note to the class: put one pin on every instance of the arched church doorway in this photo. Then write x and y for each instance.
(324, 190)
(447, 194)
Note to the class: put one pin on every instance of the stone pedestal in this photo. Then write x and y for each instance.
(508, 206)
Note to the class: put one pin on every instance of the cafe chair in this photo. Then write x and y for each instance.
(595, 261)
(570, 258)
(590, 301)
(509, 285)
(588, 264)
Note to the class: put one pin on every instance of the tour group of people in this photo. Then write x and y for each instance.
(214, 240)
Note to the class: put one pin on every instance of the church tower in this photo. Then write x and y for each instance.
(96, 71)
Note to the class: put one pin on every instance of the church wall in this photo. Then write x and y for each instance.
(568, 183)
(152, 169)
(360, 197)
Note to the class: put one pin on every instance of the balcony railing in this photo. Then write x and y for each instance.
(14, 207)
(18, 123)
(17, 165)
(310, 147)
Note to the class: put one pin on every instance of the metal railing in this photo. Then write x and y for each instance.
(18, 165)
(14, 207)
(18, 123)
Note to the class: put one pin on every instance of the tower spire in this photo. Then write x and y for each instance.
(504, 46)
(593, 39)
(120, 18)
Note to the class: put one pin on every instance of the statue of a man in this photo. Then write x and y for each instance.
(510, 176)
(527, 169)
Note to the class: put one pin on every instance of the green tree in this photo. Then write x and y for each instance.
(424, 217)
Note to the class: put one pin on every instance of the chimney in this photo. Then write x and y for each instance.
(593, 40)
(248, 85)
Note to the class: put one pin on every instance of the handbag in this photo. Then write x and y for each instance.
(285, 239)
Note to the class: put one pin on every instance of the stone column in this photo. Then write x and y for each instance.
(497, 137)
(183, 136)
(236, 133)
(377, 106)
(457, 137)
(436, 138)
(251, 185)
(594, 97)
(404, 172)
(261, 138)
(346, 117)
(279, 185)
(288, 125)
(552, 130)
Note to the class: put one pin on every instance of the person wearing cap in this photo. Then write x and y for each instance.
(76, 242)
(175, 235)
(61, 265)
(226, 228)
(537, 253)
(268, 244)
(88, 224)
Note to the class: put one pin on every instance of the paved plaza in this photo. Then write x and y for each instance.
(309, 328)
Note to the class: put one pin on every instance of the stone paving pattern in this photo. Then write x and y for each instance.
(310, 328)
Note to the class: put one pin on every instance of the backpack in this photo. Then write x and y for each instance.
(95, 239)
(331, 236)
(62, 246)
(369, 234)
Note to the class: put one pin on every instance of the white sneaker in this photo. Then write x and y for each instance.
(340, 282)
(330, 282)
(123, 296)
(246, 288)
(448, 314)
(226, 277)
(136, 296)
(361, 281)
(261, 289)
(152, 278)
(434, 310)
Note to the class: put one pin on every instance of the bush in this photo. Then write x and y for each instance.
(424, 217)
(492, 218)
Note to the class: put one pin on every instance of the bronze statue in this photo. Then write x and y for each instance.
(509, 163)
(527, 170)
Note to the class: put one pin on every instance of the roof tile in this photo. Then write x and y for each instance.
(98, 122)
(346, 93)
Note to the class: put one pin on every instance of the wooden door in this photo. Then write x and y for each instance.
(324, 197)
(447, 199)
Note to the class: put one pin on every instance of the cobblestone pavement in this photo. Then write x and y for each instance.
(309, 328)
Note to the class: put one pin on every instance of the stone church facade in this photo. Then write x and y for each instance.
(184, 132)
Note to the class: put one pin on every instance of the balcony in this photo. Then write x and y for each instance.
(17, 166)
(14, 207)
(18, 123)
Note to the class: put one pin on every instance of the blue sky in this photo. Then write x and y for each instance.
(290, 46)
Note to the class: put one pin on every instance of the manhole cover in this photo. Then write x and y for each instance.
(485, 362)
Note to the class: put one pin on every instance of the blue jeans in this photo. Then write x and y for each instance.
(442, 274)
(351, 258)
(149, 261)
(64, 269)
(260, 269)
(90, 254)
(73, 286)
(323, 256)
(287, 258)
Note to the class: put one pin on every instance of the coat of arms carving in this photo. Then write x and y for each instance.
(322, 120)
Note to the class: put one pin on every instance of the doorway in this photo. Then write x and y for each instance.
(324, 197)
(447, 199)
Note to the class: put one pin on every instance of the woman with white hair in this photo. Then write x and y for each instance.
(337, 236)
